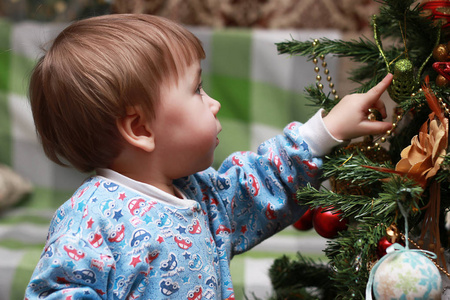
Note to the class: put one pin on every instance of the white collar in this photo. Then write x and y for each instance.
(146, 189)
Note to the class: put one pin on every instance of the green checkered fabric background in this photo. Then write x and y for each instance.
(260, 93)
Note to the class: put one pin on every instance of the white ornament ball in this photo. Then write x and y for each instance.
(407, 275)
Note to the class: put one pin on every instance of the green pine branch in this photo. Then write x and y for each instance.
(409, 12)
(354, 250)
(363, 50)
(303, 278)
(351, 257)
(348, 166)
(317, 97)
(406, 33)
(361, 207)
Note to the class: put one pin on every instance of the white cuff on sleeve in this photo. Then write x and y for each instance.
(317, 136)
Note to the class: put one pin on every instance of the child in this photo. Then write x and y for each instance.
(121, 95)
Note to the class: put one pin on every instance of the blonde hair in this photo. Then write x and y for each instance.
(94, 70)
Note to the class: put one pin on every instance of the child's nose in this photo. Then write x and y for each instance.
(215, 106)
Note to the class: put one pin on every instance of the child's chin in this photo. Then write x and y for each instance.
(208, 163)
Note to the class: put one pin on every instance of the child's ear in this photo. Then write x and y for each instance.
(135, 129)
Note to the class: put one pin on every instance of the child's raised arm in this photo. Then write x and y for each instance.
(348, 119)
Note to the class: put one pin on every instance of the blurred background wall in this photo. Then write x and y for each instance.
(351, 17)
(345, 15)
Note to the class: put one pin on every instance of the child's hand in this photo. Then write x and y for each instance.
(349, 118)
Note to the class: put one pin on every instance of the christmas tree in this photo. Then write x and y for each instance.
(385, 190)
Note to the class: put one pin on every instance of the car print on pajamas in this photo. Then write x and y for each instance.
(223, 183)
(212, 282)
(110, 186)
(49, 251)
(139, 206)
(270, 212)
(278, 163)
(140, 236)
(164, 220)
(223, 230)
(183, 243)
(195, 227)
(237, 161)
(85, 275)
(121, 285)
(107, 207)
(195, 294)
(38, 284)
(151, 256)
(95, 239)
(170, 264)
(196, 263)
(136, 205)
(168, 287)
(117, 234)
(74, 253)
(252, 185)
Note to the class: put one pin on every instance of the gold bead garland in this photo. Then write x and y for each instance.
(418, 246)
(376, 146)
(382, 139)
(397, 117)
(444, 106)
(326, 71)
(392, 231)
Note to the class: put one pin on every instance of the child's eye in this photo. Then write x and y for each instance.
(199, 88)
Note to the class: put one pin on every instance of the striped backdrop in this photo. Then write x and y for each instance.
(260, 92)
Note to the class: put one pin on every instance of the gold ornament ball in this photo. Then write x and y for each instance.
(432, 247)
(440, 53)
(441, 81)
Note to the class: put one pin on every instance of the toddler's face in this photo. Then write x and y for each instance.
(187, 119)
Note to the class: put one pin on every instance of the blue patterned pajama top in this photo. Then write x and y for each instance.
(117, 238)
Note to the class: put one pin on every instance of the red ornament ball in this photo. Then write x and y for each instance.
(329, 223)
(306, 221)
(383, 244)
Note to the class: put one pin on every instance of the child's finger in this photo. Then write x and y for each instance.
(379, 105)
(379, 89)
(377, 127)
(375, 93)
